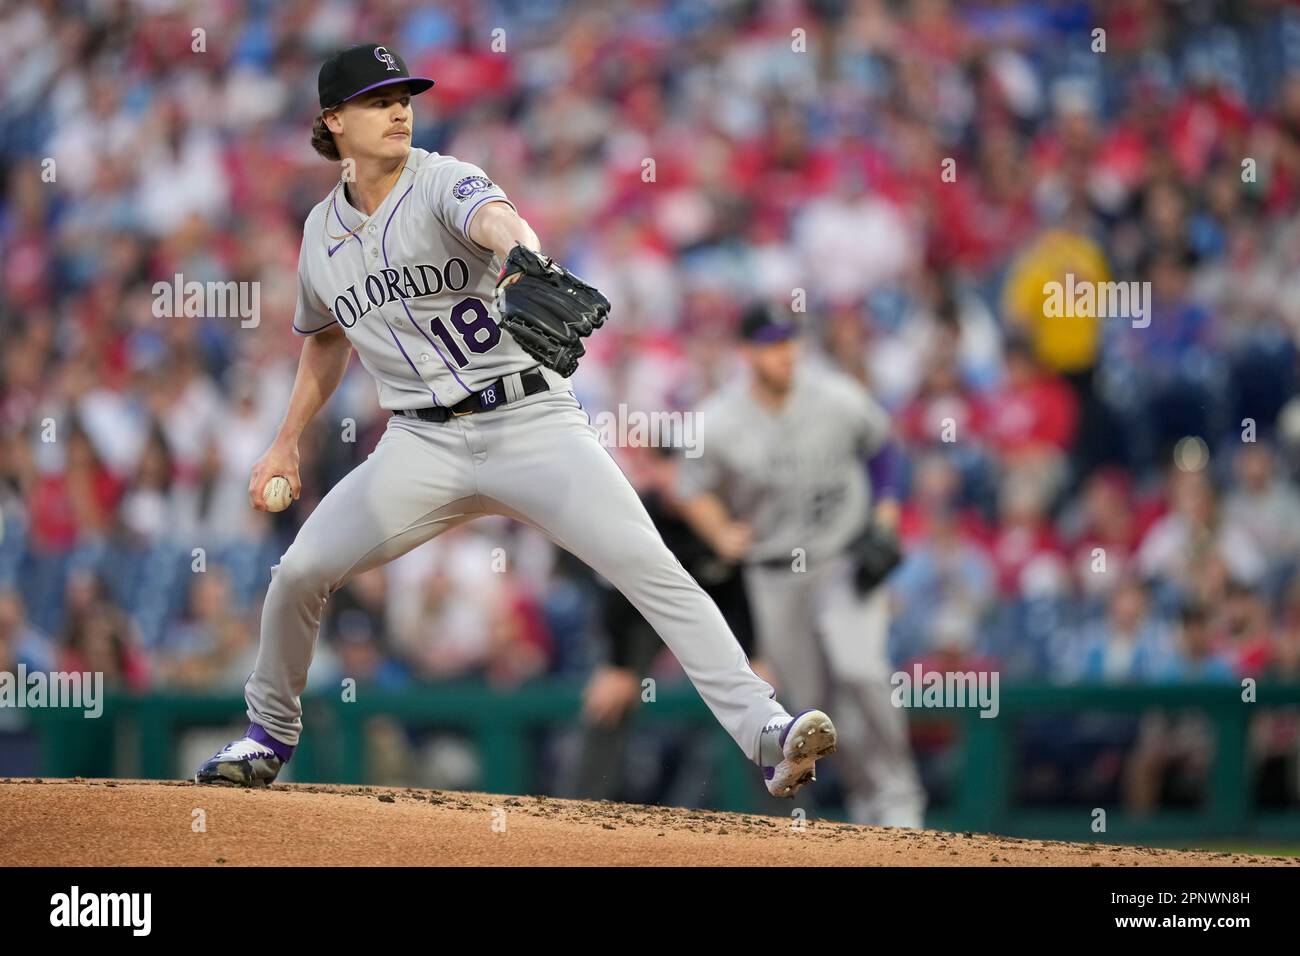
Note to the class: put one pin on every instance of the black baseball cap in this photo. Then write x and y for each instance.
(361, 68)
(766, 325)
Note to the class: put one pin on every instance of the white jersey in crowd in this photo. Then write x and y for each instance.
(411, 290)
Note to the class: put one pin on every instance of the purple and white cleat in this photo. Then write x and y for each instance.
(254, 760)
(807, 738)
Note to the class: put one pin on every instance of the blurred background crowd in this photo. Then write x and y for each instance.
(795, 146)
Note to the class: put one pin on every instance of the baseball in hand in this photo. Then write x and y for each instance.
(277, 494)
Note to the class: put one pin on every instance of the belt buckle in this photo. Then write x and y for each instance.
(461, 414)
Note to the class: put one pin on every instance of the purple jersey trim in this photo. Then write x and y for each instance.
(383, 245)
(883, 469)
(314, 331)
(469, 215)
(334, 206)
(408, 360)
(381, 315)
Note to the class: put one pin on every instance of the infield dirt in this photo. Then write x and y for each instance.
(123, 822)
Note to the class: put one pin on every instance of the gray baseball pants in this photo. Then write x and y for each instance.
(538, 460)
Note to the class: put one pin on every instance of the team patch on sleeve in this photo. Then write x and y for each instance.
(469, 186)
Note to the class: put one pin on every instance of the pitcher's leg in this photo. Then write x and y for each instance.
(415, 485)
(550, 470)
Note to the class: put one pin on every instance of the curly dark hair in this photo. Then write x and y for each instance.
(322, 140)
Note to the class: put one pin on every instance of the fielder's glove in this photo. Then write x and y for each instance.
(547, 309)
(875, 554)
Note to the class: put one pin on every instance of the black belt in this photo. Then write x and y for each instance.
(484, 400)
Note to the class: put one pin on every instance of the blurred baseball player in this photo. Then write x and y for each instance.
(784, 484)
(422, 265)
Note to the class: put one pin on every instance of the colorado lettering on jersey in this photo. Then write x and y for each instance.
(391, 284)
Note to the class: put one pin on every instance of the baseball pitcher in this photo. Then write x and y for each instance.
(784, 485)
(419, 263)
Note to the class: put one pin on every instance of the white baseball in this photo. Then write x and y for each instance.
(277, 494)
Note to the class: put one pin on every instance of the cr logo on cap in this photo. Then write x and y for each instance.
(383, 56)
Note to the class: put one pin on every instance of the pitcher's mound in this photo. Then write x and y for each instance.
(120, 822)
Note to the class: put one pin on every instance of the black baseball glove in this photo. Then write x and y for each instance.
(875, 554)
(547, 309)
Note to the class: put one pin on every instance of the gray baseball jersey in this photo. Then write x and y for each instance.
(415, 300)
(796, 476)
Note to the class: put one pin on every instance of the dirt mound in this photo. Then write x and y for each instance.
(119, 822)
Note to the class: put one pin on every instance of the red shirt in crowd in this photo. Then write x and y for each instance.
(1016, 418)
